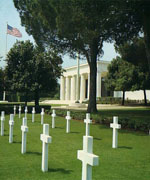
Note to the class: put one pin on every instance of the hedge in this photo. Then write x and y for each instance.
(133, 123)
(9, 108)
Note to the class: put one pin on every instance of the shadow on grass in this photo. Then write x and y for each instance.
(8, 135)
(59, 127)
(36, 153)
(133, 132)
(64, 171)
(97, 139)
(17, 142)
(75, 132)
(125, 147)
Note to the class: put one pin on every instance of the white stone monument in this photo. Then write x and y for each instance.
(33, 113)
(53, 118)
(26, 111)
(42, 116)
(11, 124)
(2, 122)
(88, 122)
(86, 155)
(45, 138)
(115, 127)
(19, 112)
(24, 130)
(14, 110)
(68, 118)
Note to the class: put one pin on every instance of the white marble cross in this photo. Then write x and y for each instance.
(53, 118)
(68, 118)
(33, 112)
(87, 157)
(42, 116)
(14, 110)
(19, 111)
(45, 138)
(88, 122)
(24, 130)
(115, 127)
(26, 111)
(11, 124)
(2, 122)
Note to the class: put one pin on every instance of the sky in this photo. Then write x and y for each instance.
(9, 14)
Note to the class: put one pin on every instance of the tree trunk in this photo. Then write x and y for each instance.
(146, 28)
(123, 98)
(26, 99)
(93, 76)
(92, 97)
(145, 99)
(36, 98)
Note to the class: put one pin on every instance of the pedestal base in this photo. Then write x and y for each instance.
(77, 105)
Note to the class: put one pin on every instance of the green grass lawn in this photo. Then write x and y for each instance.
(131, 161)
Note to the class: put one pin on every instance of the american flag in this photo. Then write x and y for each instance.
(13, 31)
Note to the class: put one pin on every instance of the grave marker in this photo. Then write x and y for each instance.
(19, 111)
(2, 122)
(26, 111)
(33, 112)
(68, 118)
(24, 130)
(53, 118)
(86, 155)
(42, 116)
(88, 122)
(115, 127)
(45, 138)
(11, 124)
(14, 110)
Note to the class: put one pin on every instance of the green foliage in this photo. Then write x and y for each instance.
(74, 26)
(9, 108)
(2, 82)
(29, 70)
(133, 121)
(121, 75)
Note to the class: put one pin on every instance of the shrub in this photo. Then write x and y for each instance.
(135, 123)
(9, 108)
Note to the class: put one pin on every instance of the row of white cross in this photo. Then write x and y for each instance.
(86, 155)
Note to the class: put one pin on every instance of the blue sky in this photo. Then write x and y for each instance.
(9, 14)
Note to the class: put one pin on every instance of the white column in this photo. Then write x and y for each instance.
(98, 92)
(67, 88)
(62, 88)
(82, 88)
(88, 85)
(4, 95)
(73, 88)
(78, 77)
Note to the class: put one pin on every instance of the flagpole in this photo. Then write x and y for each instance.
(6, 39)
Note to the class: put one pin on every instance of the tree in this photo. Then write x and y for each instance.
(134, 17)
(2, 81)
(31, 71)
(121, 76)
(135, 52)
(74, 26)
